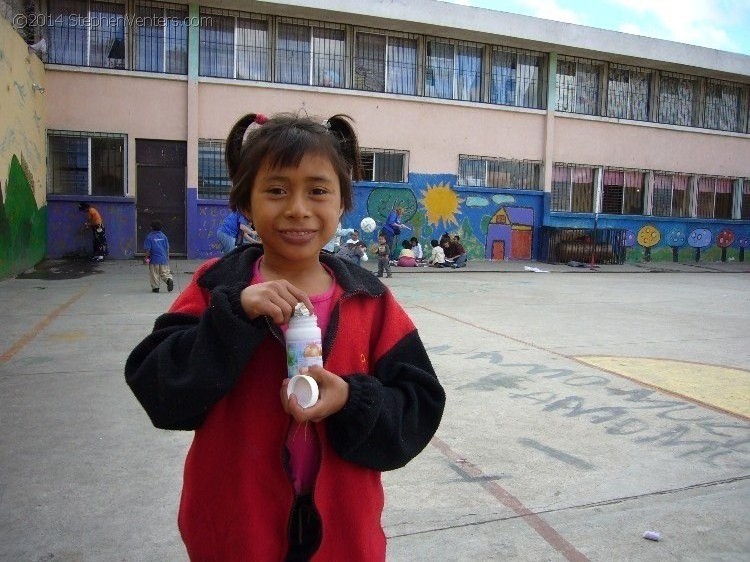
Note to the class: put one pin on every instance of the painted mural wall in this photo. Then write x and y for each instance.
(23, 214)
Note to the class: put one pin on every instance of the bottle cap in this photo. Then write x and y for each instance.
(301, 310)
(304, 388)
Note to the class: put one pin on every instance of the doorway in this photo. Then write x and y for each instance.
(160, 183)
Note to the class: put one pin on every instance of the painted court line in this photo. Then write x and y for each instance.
(543, 529)
(36, 330)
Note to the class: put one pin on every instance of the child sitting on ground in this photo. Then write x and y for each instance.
(437, 259)
(406, 257)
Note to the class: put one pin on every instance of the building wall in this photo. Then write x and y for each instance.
(23, 214)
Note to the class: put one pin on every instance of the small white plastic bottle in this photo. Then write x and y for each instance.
(304, 346)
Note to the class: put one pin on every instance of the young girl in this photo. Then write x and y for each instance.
(406, 257)
(260, 482)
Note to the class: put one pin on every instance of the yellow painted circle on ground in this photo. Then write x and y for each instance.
(725, 388)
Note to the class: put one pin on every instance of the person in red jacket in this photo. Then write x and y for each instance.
(266, 479)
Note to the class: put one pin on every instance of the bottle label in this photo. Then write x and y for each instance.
(302, 354)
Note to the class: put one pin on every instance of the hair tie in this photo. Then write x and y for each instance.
(326, 124)
(260, 118)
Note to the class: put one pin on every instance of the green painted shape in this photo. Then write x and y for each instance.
(383, 200)
(23, 226)
(474, 248)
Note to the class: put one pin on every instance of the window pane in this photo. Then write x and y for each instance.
(680, 196)
(367, 159)
(68, 36)
(566, 86)
(402, 66)
(587, 89)
(107, 35)
(633, 193)
(675, 101)
(217, 46)
(527, 81)
(68, 165)
(612, 192)
(369, 62)
(471, 171)
(293, 54)
(662, 196)
(618, 98)
(582, 180)
(560, 188)
(149, 39)
(723, 208)
(706, 189)
(503, 88)
(439, 75)
(745, 211)
(469, 73)
(107, 165)
(389, 166)
(176, 39)
(722, 107)
(213, 178)
(328, 57)
(252, 50)
(640, 93)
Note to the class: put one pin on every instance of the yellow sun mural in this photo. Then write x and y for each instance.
(441, 203)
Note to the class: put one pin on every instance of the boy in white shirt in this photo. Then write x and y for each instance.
(437, 259)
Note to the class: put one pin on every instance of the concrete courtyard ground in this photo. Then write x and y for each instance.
(584, 408)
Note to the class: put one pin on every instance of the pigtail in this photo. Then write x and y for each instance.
(342, 127)
(233, 151)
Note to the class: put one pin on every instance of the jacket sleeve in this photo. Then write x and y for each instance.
(391, 416)
(194, 355)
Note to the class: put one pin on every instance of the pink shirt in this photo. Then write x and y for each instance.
(302, 440)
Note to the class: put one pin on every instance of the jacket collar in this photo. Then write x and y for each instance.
(237, 266)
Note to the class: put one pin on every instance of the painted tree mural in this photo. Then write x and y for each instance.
(648, 237)
(742, 243)
(723, 240)
(676, 239)
(698, 239)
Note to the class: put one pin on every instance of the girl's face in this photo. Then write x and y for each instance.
(296, 210)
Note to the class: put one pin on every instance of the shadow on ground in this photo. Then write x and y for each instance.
(59, 270)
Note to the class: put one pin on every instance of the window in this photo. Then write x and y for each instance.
(310, 55)
(577, 85)
(573, 188)
(671, 195)
(723, 106)
(516, 78)
(234, 46)
(160, 32)
(678, 99)
(745, 203)
(499, 172)
(384, 165)
(623, 192)
(385, 63)
(628, 91)
(86, 33)
(714, 198)
(86, 163)
(454, 71)
(213, 178)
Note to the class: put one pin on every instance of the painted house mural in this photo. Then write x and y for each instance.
(510, 233)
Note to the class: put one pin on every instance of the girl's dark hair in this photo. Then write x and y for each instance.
(434, 243)
(283, 140)
(406, 244)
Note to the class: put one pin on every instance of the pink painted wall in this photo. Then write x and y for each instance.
(588, 141)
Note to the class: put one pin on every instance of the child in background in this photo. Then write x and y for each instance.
(384, 256)
(406, 257)
(437, 259)
(264, 478)
(416, 247)
(156, 246)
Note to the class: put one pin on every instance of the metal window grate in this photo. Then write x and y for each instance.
(601, 245)
(671, 195)
(679, 99)
(628, 92)
(81, 163)
(213, 177)
(517, 78)
(385, 62)
(577, 85)
(160, 33)
(383, 165)
(311, 53)
(724, 102)
(483, 171)
(572, 188)
(623, 191)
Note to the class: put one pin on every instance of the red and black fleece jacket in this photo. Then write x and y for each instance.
(207, 367)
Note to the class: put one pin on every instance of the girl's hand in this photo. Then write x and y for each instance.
(276, 299)
(333, 396)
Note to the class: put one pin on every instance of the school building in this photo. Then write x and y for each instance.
(532, 139)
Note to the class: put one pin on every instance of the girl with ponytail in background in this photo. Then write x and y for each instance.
(266, 479)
